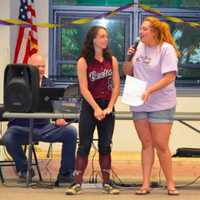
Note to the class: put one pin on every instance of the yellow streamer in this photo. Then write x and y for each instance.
(47, 25)
(89, 19)
(82, 21)
(15, 21)
(148, 8)
(174, 19)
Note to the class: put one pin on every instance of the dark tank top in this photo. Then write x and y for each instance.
(99, 76)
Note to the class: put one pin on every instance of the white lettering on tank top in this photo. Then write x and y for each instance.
(93, 75)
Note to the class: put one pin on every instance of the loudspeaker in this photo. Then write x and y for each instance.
(21, 88)
(187, 152)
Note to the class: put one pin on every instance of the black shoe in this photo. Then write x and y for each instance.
(23, 173)
(64, 180)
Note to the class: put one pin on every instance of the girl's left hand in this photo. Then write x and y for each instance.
(60, 122)
(145, 96)
(107, 111)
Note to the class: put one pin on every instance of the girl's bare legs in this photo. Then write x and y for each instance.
(160, 134)
(143, 129)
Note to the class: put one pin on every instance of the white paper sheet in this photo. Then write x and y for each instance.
(133, 90)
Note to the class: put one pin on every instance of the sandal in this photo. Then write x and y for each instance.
(142, 191)
(173, 192)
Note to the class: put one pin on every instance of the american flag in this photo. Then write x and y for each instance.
(27, 43)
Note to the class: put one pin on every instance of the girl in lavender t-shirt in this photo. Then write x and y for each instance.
(151, 63)
(155, 61)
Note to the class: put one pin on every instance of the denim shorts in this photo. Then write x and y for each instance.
(162, 116)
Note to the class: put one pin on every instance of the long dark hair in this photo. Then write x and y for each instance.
(88, 51)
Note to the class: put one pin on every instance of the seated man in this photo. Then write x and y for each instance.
(17, 135)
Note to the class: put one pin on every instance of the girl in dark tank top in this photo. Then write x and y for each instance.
(99, 83)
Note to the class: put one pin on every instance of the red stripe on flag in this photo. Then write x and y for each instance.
(18, 44)
(33, 13)
(27, 52)
(27, 43)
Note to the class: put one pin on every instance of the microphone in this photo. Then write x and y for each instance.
(134, 46)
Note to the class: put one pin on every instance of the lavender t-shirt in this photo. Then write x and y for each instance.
(150, 63)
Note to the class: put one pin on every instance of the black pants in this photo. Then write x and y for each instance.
(87, 125)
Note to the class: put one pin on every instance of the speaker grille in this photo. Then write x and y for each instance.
(21, 88)
(19, 99)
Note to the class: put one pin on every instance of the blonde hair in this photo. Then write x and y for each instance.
(163, 32)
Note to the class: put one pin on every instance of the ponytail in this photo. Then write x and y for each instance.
(163, 32)
(166, 36)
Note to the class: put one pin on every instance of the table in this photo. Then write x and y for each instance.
(182, 117)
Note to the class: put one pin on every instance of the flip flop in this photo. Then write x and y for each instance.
(173, 192)
(142, 191)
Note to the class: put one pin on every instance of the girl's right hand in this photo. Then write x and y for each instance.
(99, 114)
(130, 53)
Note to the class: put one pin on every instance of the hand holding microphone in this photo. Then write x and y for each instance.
(132, 50)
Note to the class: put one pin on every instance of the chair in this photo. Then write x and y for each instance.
(8, 163)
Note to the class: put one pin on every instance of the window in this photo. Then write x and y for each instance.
(91, 2)
(172, 4)
(188, 42)
(65, 43)
(68, 40)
